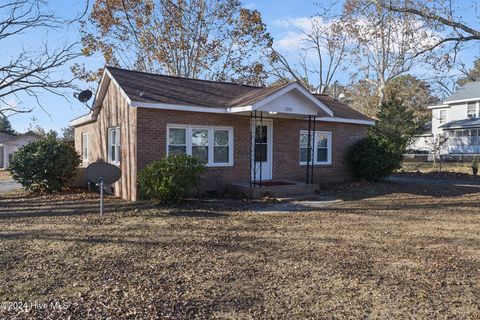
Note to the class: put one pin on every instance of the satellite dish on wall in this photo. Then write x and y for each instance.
(84, 96)
(103, 173)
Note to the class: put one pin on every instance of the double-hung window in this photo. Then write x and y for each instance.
(213, 145)
(85, 147)
(200, 144)
(442, 116)
(320, 147)
(177, 140)
(114, 145)
(472, 110)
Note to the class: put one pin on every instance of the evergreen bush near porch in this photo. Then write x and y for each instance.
(171, 179)
(370, 160)
(379, 154)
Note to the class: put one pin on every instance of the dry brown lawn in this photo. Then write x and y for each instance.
(388, 251)
(429, 167)
(4, 175)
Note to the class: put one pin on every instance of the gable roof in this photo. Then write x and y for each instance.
(16, 137)
(154, 90)
(23, 135)
(469, 91)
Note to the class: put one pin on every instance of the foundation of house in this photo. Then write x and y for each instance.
(274, 188)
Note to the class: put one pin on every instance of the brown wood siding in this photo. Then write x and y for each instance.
(114, 112)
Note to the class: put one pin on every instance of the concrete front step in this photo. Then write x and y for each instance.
(281, 191)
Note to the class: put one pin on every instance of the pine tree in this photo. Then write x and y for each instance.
(6, 126)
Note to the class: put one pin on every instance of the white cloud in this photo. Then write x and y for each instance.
(303, 23)
(293, 33)
(294, 29)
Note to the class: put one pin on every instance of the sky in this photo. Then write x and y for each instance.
(284, 20)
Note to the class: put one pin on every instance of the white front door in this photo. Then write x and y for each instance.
(262, 143)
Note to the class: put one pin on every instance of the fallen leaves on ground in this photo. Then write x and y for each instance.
(387, 251)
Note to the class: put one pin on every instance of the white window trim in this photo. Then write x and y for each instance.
(440, 118)
(475, 111)
(85, 154)
(315, 151)
(117, 144)
(211, 141)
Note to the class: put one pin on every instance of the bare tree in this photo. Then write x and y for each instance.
(438, 14)
(30, 72)
(322, 52)
(386, 43)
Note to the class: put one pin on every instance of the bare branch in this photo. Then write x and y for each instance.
(30, 72)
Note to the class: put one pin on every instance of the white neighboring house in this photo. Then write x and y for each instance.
(456, 121)
(10, 143)
(423, 142)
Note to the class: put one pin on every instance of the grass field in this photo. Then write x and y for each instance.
(387, 251)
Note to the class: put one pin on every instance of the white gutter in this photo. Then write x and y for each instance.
(166, 106)
(461, 100)
(82, 120)
(440, 106)
(346, 120)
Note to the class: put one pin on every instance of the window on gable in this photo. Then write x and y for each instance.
(442, 116)
(321, 147)
(214, 145)
(114, 145)
(85, 147)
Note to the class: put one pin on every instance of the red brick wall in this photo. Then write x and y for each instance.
(152, 139)
(286, 140)
(151, 145)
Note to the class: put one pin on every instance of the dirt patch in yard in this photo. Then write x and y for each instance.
(388, 251)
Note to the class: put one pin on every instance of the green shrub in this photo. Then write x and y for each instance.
(475, 163)
(371, 160)
(171, 179)
(45, 165)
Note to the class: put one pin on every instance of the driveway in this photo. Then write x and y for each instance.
(9, 185)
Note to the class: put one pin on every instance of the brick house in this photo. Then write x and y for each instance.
(244, 133)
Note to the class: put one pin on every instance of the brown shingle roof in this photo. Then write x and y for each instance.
(147, 87)
(155, 88)
(340, 109)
